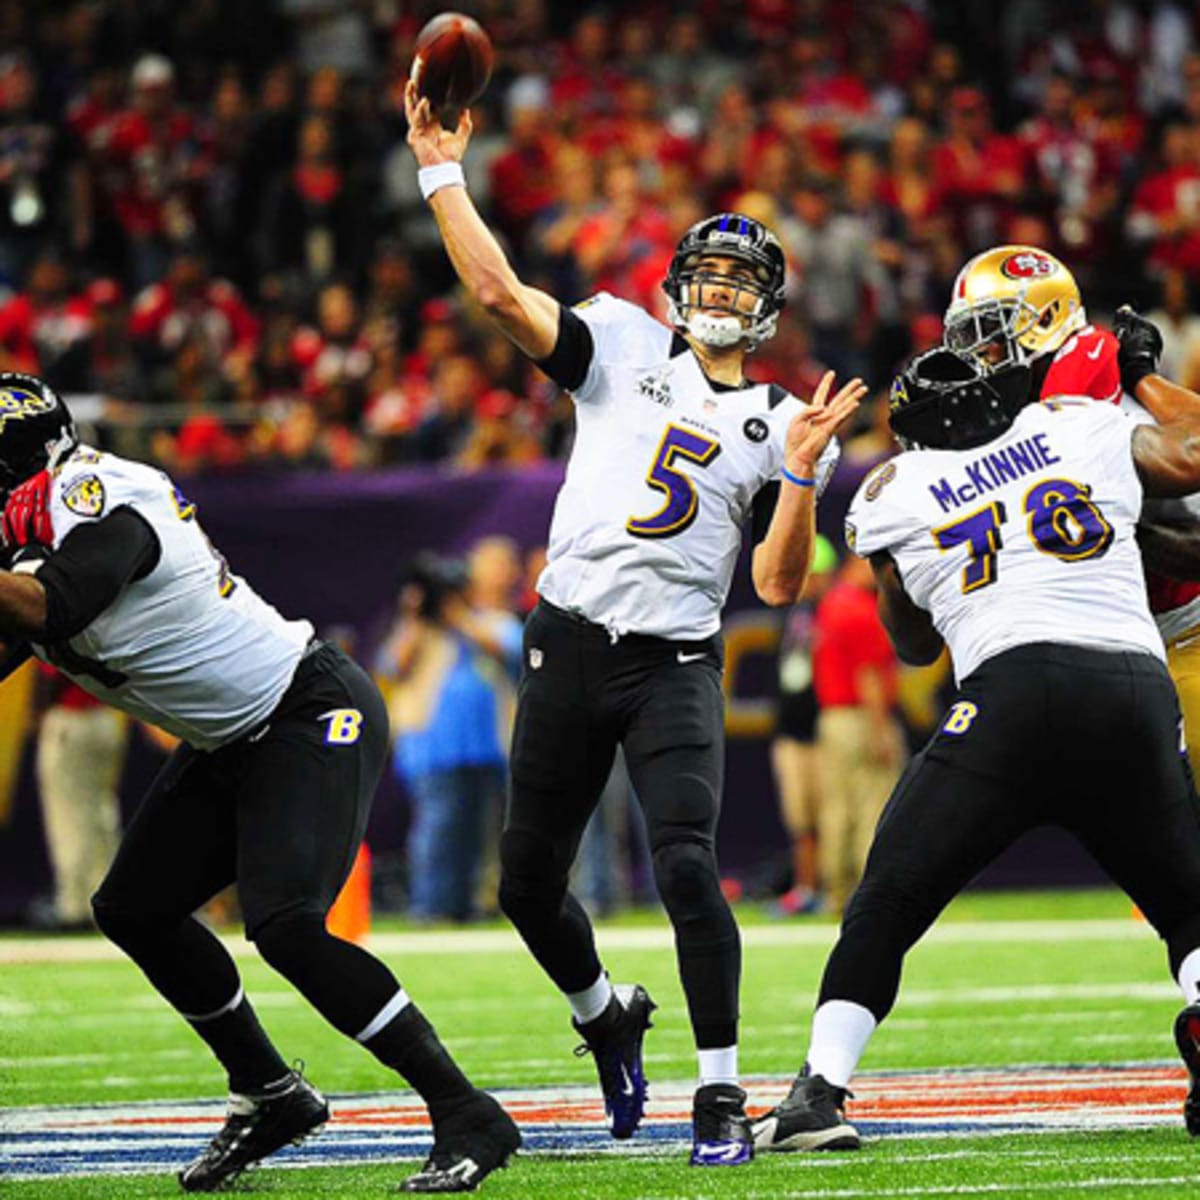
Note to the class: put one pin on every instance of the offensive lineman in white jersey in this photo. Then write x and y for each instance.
(674, 451)
(283, 740)
(1007, 533)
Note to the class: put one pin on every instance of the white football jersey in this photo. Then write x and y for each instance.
(647, 526)
(1029, 538)
(191, 647)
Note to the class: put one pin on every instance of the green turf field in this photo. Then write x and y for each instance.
(1008, 980)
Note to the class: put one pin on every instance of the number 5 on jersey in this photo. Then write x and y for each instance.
(681, 505)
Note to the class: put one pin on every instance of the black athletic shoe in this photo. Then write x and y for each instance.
(721, 1134)
(256, 1126)
(615, 1039)
(811, 1118)
(468, 1145)
(1187, 1038)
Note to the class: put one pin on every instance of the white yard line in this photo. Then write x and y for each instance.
(657, 937)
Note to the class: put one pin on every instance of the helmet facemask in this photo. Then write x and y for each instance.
(746, 311)
(742, 315)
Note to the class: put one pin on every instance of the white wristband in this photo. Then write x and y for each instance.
(440, 175)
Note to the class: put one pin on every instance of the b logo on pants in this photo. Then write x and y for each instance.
(960, 717)
(345, 724)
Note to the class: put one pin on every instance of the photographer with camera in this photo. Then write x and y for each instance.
(448, 701)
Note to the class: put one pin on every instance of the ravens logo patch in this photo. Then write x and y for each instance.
(85, 497)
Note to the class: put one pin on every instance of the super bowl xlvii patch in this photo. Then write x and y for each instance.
(85, 497)
(657, 386)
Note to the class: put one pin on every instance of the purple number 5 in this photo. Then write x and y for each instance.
(681, 505)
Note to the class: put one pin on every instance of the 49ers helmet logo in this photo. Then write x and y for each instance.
(1028, 265)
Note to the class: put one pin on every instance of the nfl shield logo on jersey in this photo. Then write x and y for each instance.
(535, 658)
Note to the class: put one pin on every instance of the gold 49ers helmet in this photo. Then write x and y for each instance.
(1013, 304)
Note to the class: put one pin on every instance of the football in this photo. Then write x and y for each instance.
(453, 61)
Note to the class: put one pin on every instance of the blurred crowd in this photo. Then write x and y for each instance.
(210, 220)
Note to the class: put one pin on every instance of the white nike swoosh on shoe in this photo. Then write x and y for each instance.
(627, 1090)
(687, 658)
(725, 1153)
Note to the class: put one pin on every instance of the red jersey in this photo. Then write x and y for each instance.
(847, 636)
(1085, 365)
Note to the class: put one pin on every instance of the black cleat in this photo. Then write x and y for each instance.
(476, 1139)
(256, 1126)
(811, 1118)
(721, 1134)
(615, 1039)
(1187, 1038)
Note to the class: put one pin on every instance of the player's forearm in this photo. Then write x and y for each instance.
(1169, 403)
(781, 560)
(480, 263)
(22, 605)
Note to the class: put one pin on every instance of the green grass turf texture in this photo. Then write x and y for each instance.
(80, 1032)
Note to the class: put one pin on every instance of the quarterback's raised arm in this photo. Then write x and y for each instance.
(780, 563)
(527, 315)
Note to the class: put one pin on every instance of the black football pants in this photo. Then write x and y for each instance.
(1044, 734)
(280, 812)
(582, 694)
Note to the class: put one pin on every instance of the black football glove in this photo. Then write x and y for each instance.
(1140, 349)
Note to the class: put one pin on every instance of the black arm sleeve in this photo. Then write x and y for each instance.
(763, 510)
(91, 567)
(568, 362)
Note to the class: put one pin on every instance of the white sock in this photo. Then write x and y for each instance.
(841, 1030)
(1189, 977)
(592, 1001)
(718, 1066)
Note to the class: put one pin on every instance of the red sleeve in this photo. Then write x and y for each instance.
(149, 309)
(1086, 365)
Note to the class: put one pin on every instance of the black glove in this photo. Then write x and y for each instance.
(1140, 349)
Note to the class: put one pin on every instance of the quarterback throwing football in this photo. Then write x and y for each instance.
(1007, 532)
(674, 451)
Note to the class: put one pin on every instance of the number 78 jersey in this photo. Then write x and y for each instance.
(1029, 538)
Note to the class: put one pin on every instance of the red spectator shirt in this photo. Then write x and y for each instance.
(32, 335)
(228, 324)
(847, 636)
(147, 163)
(1169, 193)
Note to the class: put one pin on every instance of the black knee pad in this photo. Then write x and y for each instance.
(687, 878)
(130, 926)
(287, 941)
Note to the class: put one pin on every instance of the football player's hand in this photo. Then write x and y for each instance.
(27, 514)
(1141, 347)
(431, 143)
(812, 429)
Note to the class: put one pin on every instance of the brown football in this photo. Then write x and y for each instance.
(453, 61)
